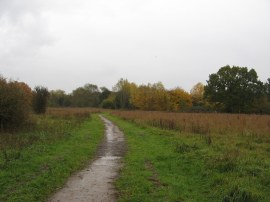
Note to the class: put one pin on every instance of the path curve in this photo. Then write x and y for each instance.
(95, 182)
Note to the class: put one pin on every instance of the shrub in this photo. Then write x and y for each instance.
(15, 104)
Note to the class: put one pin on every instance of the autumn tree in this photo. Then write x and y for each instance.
(179, 99)
(141, 97)
(40, 99)
(160, 97)
(234, 89)
(197, 93)
(15, 103)
(150, 97)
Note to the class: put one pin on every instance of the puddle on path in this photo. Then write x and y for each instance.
(95, 183)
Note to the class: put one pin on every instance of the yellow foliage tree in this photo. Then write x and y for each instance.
(149, 97)
(197, 94)
(179, 99)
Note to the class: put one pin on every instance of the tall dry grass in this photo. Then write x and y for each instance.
(202, 123)
(72, 111)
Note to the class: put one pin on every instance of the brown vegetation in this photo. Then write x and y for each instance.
(210, 123)
(15, 104)
(72, 111)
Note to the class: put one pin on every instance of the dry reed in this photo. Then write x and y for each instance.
(202, 123)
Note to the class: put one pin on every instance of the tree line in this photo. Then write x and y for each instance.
(126, 95)
(231, 89)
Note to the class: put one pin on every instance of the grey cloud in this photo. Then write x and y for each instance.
(177, 42)
(23, 30)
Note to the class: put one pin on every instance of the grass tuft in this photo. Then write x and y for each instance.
(238, 194)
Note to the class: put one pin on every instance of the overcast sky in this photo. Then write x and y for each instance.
(63, 44)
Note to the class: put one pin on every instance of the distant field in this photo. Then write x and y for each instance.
(194, 157)
(71, 111)
(202, 123)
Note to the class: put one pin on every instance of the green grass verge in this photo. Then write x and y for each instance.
(163, 165)
(45, 166)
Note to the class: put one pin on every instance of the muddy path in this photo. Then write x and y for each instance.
(95, 182)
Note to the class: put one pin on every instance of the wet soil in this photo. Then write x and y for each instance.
(95, 182)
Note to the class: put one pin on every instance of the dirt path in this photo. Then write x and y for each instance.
(94, 183)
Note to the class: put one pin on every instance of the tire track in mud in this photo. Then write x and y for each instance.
(95, 182)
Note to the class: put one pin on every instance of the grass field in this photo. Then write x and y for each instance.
(37, 161)
(171, 156)
(181, 165)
